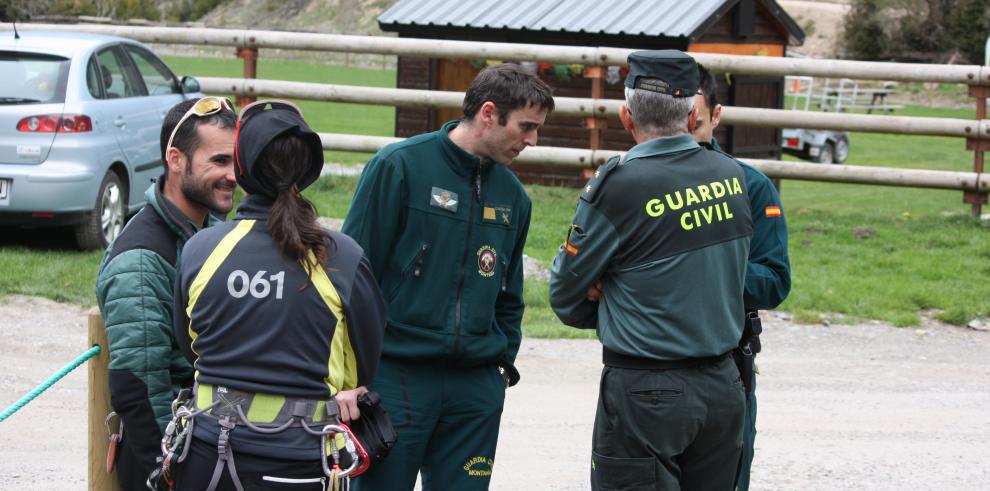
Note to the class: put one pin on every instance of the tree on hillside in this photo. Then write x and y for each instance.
(13, 10)
(175, 10)
(115, 9)
(934, 31)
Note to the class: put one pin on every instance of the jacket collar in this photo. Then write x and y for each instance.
(171, 214)
(459, 159)
(712, 145)
(254, 207)
(662, 145)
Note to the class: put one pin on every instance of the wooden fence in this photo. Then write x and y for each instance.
(248, 42)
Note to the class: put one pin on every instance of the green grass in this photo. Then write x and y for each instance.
(858, 252)
(43, 263)
(332, 195)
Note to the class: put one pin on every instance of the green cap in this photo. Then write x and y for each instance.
(667, 71)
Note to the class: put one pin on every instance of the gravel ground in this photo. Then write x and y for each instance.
(867, 406)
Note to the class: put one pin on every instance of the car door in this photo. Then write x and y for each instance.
(135, 118)
(163, 92)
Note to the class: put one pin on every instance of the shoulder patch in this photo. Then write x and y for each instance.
(601, 173)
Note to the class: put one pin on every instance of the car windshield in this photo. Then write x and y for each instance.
(31, 78)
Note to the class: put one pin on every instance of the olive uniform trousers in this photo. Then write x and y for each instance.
(447, 419)
(672, 429)
(749, 439)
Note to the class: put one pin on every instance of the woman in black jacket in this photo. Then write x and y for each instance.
(282, 319)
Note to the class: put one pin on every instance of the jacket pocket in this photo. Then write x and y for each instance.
(625, 474)
(657, 393)
(412, 270)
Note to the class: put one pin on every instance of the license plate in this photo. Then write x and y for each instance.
(4, 188)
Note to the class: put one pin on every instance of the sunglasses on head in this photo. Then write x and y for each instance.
(203, 107)
(255, 108)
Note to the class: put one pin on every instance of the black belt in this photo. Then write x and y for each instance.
(618, 360)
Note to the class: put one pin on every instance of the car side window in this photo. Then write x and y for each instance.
(93, 81)
(116, 84)
(158, 79)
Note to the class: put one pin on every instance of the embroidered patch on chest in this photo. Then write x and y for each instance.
(443, 199)
(486, 261)
(497, 214)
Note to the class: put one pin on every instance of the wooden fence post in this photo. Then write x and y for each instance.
(99, 407)
(596, 124)
(250, 57)
(975, 198)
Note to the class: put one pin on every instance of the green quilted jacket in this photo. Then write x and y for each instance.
(134, 292)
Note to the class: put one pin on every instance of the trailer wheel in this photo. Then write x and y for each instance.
(827, 154)
(841, 150)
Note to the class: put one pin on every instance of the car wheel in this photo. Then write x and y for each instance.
(106, 220)
(825, 156)
(841, 151)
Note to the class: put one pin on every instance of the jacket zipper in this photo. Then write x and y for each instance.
(505, 272)
(467, 248)
(418, 262)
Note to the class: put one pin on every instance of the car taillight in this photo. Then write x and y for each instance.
(51, 123)
(792, 142)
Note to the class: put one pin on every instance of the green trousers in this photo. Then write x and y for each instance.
(749, 439)
(447, 419)
(668, 430)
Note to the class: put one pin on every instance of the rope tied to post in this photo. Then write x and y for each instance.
(94, 351)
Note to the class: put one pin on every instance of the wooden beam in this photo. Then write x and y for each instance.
(601, 108)
(738, 65)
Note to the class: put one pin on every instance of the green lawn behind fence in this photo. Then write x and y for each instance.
(858, 252)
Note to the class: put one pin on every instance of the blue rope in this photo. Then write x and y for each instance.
(95, 350)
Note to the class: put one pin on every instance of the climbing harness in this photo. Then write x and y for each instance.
(228, 408)
(176, 440)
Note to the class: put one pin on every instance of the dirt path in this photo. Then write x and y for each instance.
(843, 407)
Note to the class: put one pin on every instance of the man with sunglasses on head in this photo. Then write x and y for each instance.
(134, 286)
(443, 222)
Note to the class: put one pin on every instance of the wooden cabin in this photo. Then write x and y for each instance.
(742, 27)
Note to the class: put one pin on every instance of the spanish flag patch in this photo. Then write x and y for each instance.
(571, 249)
(773, 211)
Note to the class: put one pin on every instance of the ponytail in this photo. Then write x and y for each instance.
(292, 218)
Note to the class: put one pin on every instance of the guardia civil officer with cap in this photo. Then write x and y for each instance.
(282, 319)
(768, 269)
(665, 230)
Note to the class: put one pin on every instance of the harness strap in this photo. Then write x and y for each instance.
(225, 457)
(260, 410)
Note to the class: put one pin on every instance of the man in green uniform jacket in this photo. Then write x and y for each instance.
(768, 270)
(655, 261)
(135, 281)
(443, 223)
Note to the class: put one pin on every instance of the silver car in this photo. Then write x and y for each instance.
(80, 122)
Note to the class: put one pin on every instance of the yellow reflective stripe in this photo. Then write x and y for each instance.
(210, 267)
(318, 414)
(265, 407)
(342, 365)
(204, 395)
